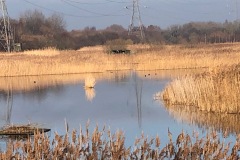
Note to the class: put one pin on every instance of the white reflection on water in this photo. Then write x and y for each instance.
(90, 93)
(124, 102)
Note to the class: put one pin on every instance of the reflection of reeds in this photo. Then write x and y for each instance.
(90, 93)
(214, 91)
(102, 144)
(90, 82)
(226, 123)
(28, 83)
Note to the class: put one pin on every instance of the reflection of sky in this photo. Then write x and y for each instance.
(114, 106)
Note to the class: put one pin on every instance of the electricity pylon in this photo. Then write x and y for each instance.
(6, 36)
(135, 29)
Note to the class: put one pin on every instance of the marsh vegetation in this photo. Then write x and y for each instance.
(214, 88)
(104, 144)
(213, 91)
(147, 57)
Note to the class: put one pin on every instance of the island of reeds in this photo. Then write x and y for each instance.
(216, 91)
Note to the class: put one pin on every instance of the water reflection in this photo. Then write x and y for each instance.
(225, 123)
(35, 83)
(90, 93)
(9, 106)
(122, 100)
(138, 84)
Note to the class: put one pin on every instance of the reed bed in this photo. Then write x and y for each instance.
(96, 60)
(48, 52)
(103, 144)
(215, 91)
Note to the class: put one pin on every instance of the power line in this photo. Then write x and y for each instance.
(87, 3)
(97, 3)
(96, 13)
(117, 1)
(72, 15)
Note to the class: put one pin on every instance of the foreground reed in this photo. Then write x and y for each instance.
(214, 91)
(102, 144)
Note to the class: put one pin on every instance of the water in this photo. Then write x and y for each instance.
(122, 100)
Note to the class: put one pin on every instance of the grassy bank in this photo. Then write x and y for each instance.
(215, 91)
(51, 61)
(102, 144)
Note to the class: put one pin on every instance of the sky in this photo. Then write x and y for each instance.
(79, 14)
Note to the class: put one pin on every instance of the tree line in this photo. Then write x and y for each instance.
(34, 30)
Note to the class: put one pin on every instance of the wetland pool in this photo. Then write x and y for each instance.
(120, 100)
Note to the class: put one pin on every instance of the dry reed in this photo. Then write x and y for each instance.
(102, 144)
(145, 58)
(214, 91)
(48, 52)
(90, 82)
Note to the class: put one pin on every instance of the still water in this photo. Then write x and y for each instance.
(120, 100)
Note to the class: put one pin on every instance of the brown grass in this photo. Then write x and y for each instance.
(103, 144)
(48, 52)
(50, 61)
(215, 91)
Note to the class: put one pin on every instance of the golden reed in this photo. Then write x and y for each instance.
(215, 91)
(51, 61)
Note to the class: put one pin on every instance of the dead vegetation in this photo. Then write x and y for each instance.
(103, 144)
(29, 129)
(215, 91)
(145, 58)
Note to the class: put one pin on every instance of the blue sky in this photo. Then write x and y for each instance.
(102, 13)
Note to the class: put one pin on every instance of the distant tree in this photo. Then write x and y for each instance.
(193, 38)
(56, 23)
(35, 31)
(89, 30)
(116, 28)
(32, 21)
(153, 34)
